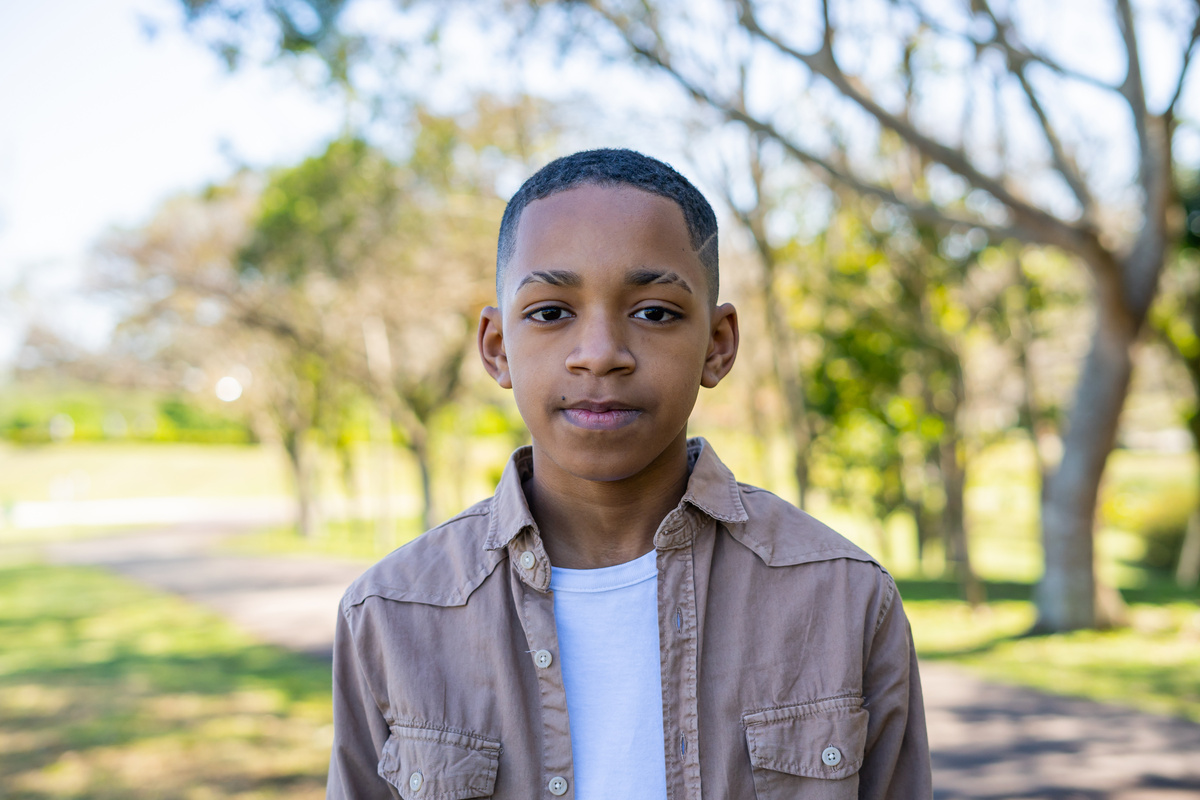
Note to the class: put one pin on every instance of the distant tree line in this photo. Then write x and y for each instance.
(939, 240)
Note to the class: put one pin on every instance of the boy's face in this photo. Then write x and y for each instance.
(606, 331)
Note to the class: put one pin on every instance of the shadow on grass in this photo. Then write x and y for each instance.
(1158, 590)
(97, 675)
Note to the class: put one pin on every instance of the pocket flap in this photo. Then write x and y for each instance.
(431, 764)
(821, 739)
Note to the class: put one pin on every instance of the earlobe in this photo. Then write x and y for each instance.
(722, 346)
(491, 346)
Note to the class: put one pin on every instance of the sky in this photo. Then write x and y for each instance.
(114, 108)
(100, 121)
(109, 108)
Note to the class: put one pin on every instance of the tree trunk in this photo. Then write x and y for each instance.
(300, 459)
(381, 449)
(800, 469)
(1187, 571)
(954, 527)
(419, 446)
(929, 528)
(1067, 595)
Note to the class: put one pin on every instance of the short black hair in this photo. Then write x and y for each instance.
(615, 167)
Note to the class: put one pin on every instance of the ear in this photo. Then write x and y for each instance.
(722, 346)
(491, 346)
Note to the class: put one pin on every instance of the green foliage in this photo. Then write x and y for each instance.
(881, 374)
(37, 413)
(230, 27)
(1157, 512)
(327, 214)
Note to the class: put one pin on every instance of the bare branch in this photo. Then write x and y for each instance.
(1012, 51)
(1041, 225)
(1131, 88)
(827, 34)
(1169, 113)
(1016, 65)
(924, 213)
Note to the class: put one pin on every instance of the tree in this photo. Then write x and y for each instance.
(1013, 130)
(866, 322)
(189, 310)
(397, 258)
(877, 69)
(1177, 320)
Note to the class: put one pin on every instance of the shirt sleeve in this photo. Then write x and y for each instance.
(359, 729)
(897, 755)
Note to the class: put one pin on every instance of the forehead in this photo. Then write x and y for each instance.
(602, 228)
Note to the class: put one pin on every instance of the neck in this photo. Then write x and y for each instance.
(588, 524)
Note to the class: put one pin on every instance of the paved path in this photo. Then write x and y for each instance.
(989, 741)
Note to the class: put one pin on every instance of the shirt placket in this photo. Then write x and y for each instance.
(530, 577)
(678, 633)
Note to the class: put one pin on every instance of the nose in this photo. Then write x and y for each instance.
(600, 349)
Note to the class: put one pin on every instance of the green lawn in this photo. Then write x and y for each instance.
(104, 470)
(1152, 664)
(108, 690)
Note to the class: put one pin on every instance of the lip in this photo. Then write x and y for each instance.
(601, 416)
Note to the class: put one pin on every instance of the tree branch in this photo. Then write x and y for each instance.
(1016, 65)
(1025, 56)
(1188, 51)
(1042, 225)
(1131, 88)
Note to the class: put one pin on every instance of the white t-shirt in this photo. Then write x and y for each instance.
(607, 621)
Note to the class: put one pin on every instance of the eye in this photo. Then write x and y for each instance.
(656, 314)
(548, 314)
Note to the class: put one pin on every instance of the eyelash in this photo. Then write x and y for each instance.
(671, 316)
(532, 315)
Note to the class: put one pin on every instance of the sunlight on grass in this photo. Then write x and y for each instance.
(1154, 664)
(357, 539)
(108, 690)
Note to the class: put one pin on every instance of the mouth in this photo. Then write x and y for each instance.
(600, 416)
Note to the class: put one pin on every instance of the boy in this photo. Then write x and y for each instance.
(622, 619)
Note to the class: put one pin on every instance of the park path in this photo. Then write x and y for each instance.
(989, 741)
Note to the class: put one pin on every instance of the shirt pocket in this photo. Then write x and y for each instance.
(433, 764)
(811, 750)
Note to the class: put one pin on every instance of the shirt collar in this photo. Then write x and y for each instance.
(711, 488)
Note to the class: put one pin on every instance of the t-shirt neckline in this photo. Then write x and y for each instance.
(605, 579)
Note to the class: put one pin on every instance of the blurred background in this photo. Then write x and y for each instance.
(244, 245)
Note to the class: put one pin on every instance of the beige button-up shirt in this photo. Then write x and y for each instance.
(787, 663)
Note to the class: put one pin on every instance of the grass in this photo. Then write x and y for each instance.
(108, 690)
(106, 470)
(342, 539)
(1152, 664)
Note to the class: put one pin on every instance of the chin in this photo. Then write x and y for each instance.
(602, 467)
(610, 462)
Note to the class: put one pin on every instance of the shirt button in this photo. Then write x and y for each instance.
(557, 786)
(543, 659)
(528, 560)
(831, 756)
(415, 781)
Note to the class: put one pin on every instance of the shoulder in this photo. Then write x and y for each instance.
(785, 538)
(441, 567)
(783, 535)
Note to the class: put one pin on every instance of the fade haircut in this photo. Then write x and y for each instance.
(612, 167)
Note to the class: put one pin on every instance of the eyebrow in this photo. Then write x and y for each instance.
(643, 276)
(554, 277)
(646, 276)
